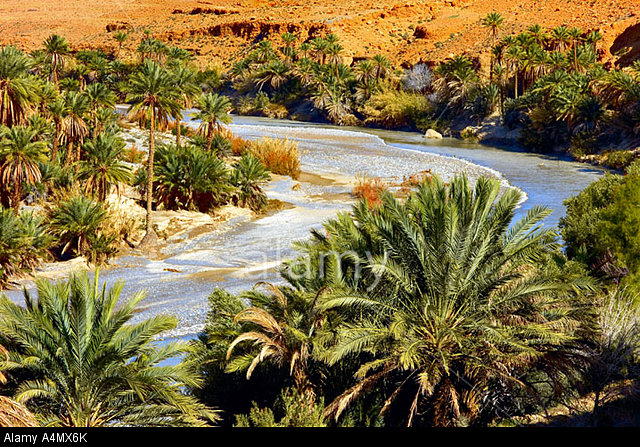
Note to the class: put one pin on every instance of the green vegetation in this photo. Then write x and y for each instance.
(430, 307)
(63, 154)
(86, 367)
(601, 227)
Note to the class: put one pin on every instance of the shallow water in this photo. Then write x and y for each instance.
(251, 250)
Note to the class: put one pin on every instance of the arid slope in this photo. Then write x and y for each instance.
(217, 30)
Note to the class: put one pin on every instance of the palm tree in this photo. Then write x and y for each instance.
(17, 89)
(514, 60)
(282, 325)
(381, 66)
(57, 110)
(56, 54)
(91, 365)
(75, 221)
(446, 297)
(274, 73)
(154, 98)
(560, 38)
(493, 21)
(575, 34)
(103, 166)
(320, 47)
(120, 37)
(19, 158)
(249, 176)
(76, 129)
(99, 96)
(213, 110)
(185, 83)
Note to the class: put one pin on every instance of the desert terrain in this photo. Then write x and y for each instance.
(217, 31)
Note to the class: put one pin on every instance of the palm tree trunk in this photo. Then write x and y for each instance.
(178, 130)
(54, 149)
(54, 73)
(67, 160)
(209, 136)
(152, 151)
(16, 197)
(78, 151)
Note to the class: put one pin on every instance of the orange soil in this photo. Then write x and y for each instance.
(218, 30)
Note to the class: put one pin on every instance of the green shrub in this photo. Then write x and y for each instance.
(249, 176)
(618, 159)
(395, 108)
(190, 178)
(296, 410)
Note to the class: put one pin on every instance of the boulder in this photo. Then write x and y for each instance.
(433, 134)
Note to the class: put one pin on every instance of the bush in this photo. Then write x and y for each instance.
(618, 159)
(280, 156)
(238, 144)
(601, 226)
(24, 242)
(249, 176)
(394, 109)
(274, 110)
(190, 178)
(297, 411)
(369, 189)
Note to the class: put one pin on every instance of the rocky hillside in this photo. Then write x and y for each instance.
(406, 31)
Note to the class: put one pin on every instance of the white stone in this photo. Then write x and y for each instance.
(433, 134)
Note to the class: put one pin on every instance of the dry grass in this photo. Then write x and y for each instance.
(134, 155)
(13, 414)
(281, 156)
(410, 182)
(239, 145)
(370, 189)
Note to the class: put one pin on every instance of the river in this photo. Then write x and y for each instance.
(246, 250)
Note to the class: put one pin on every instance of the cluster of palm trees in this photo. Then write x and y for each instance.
(61, 145)
(313, 71)
(434, 310)
(551, 82)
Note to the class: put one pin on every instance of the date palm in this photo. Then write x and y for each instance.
(560, 37)
(56, 54)
(187, 87)
(103, 167)
(381, 66)
(76, 128)
(493, 21)
(213, 110)
(153, 98)
(18, 90)
(20, 154)
(575, 34)
(447, 297)
(274, 73)
(57, 110)
(120, 37)
(99, 96)
(281, 325)
(91, 365)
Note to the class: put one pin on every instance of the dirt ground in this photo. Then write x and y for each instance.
(219, 30)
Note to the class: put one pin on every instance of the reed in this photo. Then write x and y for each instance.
(280, 156)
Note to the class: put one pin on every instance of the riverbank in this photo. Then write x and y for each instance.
(238, 253)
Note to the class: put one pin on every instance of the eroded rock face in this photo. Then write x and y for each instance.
(433, 135)
(254, 29)
(628, 43)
